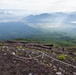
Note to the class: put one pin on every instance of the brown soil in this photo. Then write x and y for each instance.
(25, 58)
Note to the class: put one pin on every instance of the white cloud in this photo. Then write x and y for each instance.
(39, 6)
(74, 22)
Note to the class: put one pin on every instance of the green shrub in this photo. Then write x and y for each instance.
(0, 44)
(62, 57)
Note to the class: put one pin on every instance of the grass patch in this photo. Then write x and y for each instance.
(62, 57)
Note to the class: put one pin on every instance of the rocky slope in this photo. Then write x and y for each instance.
(31, 58)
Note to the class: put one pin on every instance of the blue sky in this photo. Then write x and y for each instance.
(40, 6)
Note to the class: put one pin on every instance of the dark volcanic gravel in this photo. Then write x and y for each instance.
(23, 58)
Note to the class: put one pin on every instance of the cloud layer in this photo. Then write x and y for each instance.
(39, 6)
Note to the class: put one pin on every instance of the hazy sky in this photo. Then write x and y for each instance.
(40, 5)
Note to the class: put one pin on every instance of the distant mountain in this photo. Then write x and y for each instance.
(39, 18)
(10, 30)
(44, 20)
(51, 20)
(71, 17)
(36, 26)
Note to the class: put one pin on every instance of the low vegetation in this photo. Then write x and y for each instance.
(62, 57)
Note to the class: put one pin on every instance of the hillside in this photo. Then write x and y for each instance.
(32, 58)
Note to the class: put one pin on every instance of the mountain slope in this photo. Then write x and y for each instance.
(16, 30)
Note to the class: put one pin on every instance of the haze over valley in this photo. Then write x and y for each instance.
(45, 27)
